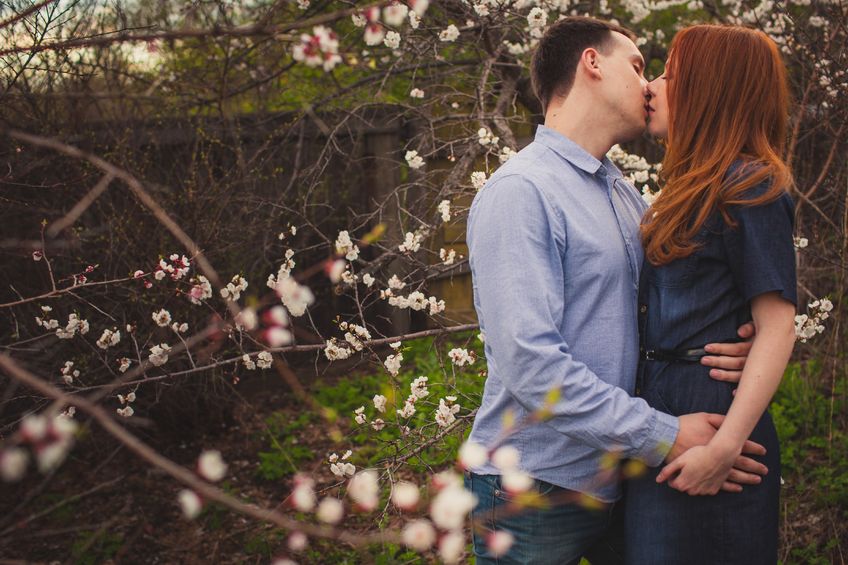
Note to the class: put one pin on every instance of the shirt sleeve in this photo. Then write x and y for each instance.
(760, 248)
(516, 240)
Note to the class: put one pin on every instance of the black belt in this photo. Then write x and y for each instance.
(685, 355)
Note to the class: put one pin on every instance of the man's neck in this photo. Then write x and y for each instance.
(588, 133)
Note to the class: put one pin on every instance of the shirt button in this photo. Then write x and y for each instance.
(643, 308)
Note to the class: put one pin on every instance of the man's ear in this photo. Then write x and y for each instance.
(589, 63)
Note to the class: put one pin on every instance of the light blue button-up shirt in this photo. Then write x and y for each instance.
(554, 249)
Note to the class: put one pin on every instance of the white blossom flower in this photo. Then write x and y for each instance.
(419, 387)
(379, 403)
(447, 257)
(461, 357)
(359, 415)
(801, 242)
(392, 363)
(411, 243)
(211, 466)
(395, 283)
(330, 511)
(109, 338)
(364, 489)
(264, 360)
(334, 352)
(472, 455)
(405, 495)
(200, 291)
(395, 14)
(414, 20)
(368, 280)
(374, 34)
(248, 362)
(297, 542)
(444, 210)
(277, 336)
(358, 20)
(451, 546)
(506, 154)
(13, 464)
(506, 458)
(162, 318)
(124, 364)
(378, 424)
(303, 496)
(69, 373)
(190, 503)
(481, 9)
(449, 34)
(234, 288)
(179, 328)
(419, 6)
(392, 40)
(486, 137)
(499, 542)
(515, 481)
(537, 18)
(414, 160)
(295, 297)
(451, 506)
(126, 411)
(419, 535)
(478, 179)
(346, 247)
(445, 413)
(37, 255)
(416, 93)
(159, 354)
(408, 409)
(34, 428)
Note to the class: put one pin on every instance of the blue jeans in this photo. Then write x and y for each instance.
(560, 534)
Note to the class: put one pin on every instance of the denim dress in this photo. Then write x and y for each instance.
(685, 304)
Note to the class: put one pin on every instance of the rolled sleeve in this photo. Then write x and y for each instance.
(517, 241)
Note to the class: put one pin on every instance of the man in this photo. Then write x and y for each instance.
(555, 259)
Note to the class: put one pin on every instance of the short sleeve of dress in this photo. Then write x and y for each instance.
(760, 248)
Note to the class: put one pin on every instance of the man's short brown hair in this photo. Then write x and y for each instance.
(554, 63)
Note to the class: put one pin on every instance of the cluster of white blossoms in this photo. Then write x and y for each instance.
(294, 296)
(109, 338)
(264, 360)
(45, 320)
(800, 242)
(486, 137)
(506, 154)
(416, 93)
(810, 324)
(334, 352)
(346, 247)
(211, 467)
(124, 364)
(411, 242)
(126, 410)
(355, 335)
(284, 271)
(162, 318)
(201, 290)
(478, 179)
(74, 325)
(69, 373)
(446, 412)
(234, 288)
(48, 439)
(414, 160)
(394, 15)
(637, 171)
(320, 49)
(447, 257)
(445, 210)
(159, 354)
(340, 466)
(416, 300)
(392, 363)
(461, 357)
(177, 268)
(449, 34)
(179, 328)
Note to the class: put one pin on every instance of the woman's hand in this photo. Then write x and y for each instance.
(701, 470)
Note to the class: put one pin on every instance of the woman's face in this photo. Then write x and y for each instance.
(658, 106)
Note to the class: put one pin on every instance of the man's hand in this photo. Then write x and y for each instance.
(728, 359)
(698, 429)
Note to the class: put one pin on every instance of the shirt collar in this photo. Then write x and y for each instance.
(574, 154)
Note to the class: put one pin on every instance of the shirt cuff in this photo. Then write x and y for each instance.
(660, 439)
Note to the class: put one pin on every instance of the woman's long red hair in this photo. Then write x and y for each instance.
(728, 99)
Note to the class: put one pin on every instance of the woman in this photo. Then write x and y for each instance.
(718, 252)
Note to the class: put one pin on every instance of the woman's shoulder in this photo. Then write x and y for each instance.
(741, 170)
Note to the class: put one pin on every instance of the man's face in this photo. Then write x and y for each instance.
(625, 87)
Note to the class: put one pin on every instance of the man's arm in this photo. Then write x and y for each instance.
(515, 243)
